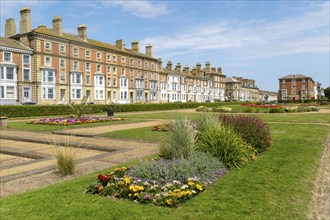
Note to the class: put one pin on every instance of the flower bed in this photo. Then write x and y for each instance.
(73, 121)
(163, 127)
(261, 105)
(118, 185)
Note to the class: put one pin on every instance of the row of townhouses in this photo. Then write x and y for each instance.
(48, 66)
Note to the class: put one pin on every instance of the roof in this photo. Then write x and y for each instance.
(44, 30)
(231, 80)
(7, 42)
(295, 76)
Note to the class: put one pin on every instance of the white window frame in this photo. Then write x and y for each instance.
(98, 55)
(64, 64)
(88, 80)
(76, 52)
(48, 46)
(87, 54)
(76, 65)
(10, 55)
(62, 48)
(46, 62)
(88, 67)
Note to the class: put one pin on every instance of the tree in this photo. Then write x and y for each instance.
(327, 92)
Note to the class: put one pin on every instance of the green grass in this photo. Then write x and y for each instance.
(140, 134)
(294, 117)
(276, 186)
(22, 125)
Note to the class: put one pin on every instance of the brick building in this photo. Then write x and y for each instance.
(67, 67)
(296, 87)
(15, 72)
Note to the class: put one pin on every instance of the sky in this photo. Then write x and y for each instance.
(261, 40)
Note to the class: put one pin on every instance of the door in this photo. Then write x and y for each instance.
(131, 97)
(27, 94)
(146, 97)
(62, 95)
(88, 95)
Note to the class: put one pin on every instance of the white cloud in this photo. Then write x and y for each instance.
(144, 9)
(306, 33)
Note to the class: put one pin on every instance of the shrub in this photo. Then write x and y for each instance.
(80, 109)
(314, 109)
(225, 144)
(201, 165)
(248, 110)
(251, 128)
(202, 109)
(301, 109)
(205, 120)
(276, 110)
(65, 161)
(221, 109)
(180, 142)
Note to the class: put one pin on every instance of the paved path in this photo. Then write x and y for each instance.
(27, 158)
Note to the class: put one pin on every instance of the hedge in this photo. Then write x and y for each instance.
(48, 110)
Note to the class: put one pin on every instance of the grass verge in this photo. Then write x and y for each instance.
(276, 186)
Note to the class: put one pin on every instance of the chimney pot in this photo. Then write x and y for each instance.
(10, 27)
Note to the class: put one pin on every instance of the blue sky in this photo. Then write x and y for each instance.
(263, 40)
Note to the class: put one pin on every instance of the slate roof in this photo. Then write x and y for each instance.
(7, 42)
(295, 76)
(44, 30)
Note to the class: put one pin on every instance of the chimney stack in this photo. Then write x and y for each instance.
(25, 20)
(10, 27)
(149, 50)
(178, 67)
(135, 46)
(160, 64)
(169, 65)
(186, 69)
(220, 70)
(82, 32)
(57, 25)
(120, 44)
(207, 67)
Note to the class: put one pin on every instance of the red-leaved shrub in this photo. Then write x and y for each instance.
(251, 128)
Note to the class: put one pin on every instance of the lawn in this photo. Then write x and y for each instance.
(141, 134)
(22, 125)
(276, 186)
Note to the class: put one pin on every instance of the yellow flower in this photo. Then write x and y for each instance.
(127, 180)
(129, 195)
(253, 157)
(169, 202)
(136, 194)
(199, 187)
(191, 183)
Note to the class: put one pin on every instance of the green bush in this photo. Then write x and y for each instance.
(252, 129)
(225, 144)
(276, 110)
(48, 110)
(205, 120)
(180, 142)
(201, 165)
